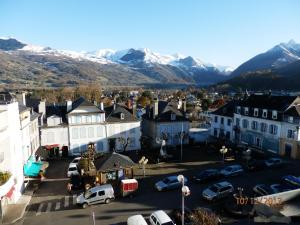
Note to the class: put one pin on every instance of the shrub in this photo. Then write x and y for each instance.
(4, 176)
(204, 216)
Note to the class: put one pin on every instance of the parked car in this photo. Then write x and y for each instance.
(136, 220)
(218, 191)
(262, 190)
(96, 195)
(291, 181)
(206, 175)
(277, 188)
(75, 161)
(274, 162)
(255, 165)
(169, 183)
(72, 170)
(160, 217)
(232, 170)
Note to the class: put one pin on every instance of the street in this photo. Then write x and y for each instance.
(51, 204)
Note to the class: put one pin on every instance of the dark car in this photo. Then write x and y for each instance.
(207, 175)
(291, 181)
(262, 190)
(255, 165)
(274, 163)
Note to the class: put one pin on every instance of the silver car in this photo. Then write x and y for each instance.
(169, 183)
(217, 191)
(96, 195)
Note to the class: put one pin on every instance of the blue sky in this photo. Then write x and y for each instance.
(226, 32)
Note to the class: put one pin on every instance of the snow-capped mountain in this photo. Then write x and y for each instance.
(278, 56)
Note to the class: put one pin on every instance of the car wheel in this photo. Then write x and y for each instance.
(84, 205)
(107, 201)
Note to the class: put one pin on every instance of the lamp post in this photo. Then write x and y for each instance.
(185, 191)
(143, 161)
(223, 151)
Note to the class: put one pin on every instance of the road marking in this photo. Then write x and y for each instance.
(57, 206)
(48, 207)
(66, 201)
(39, 211)
(74, 199)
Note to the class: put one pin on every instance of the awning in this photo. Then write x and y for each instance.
(49, 147)
(32, 169)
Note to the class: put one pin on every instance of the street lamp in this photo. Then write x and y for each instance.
(223, 151)
(143, 161)
(182, 135)
(185, 191)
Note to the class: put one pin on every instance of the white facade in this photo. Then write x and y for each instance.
(57, 135)
(25, 134)
(221, 126)
(34, 135)
(11, 152)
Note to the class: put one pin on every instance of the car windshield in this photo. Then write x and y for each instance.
(72, 169)
(228, 168)
(166, 180)
(75, 160)
(214, 188)
(87, 194)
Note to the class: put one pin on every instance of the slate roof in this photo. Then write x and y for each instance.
(58, 110)
(6, 97)
(165, 109)
(279, 103)
(114, 115)
(33, 103)
(113, 161)
(81, 101)
(293, 111)
(226, 110)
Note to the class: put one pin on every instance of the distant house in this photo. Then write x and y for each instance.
(164, 120)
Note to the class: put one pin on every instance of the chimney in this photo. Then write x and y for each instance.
(69, 105)
(102, 106)
(155, 108)
(134, 108)
(42, 107)
(95, 103)
(184, 105)
(21, 97)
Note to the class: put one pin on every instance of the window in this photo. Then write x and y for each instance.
(216, 119)
(227, 135)
(90, 132)
(94, 119)
(92, 195)
(291, 119)
(173, 116)
(75, 133)
(255, 112)
(254, 125)
(88, 119)
(222, 120)
(98, 119)
(237, 122)
(258, 142)
(101, 193)
(245, 124)
(263, 127)
(290, 134)
(274, 114)
(265, 113)
(246, 110)
(82, 132)
(238, 110)
(273, 129)
(228, 122)
(215, 132)
(78, 119)
(83, 118)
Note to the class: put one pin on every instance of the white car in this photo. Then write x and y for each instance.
(160, 217)
(75, 161)
(232, 170)
(217, 191)
(136, 220)
(72, 170)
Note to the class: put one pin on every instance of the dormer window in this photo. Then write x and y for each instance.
(122, 116)
(173, 116)
(274, 114)
(291, 119)
(255, 112)
(238, 110)
(246, 111)
(265, 113)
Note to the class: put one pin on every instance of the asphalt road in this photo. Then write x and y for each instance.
(51, 204)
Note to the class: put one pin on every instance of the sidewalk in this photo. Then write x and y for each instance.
(15, 212)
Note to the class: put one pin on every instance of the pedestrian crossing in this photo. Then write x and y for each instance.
(62, 204)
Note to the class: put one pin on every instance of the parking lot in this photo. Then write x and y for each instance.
(52, 202)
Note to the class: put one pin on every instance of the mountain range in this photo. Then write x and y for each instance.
(24, 64)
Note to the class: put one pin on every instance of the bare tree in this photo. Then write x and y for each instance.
(124, 142)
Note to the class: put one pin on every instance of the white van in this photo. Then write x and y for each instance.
(96, 195)
(136, 220)
(160, 218)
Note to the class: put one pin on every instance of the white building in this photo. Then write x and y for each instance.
(11, 152)
(163, 120)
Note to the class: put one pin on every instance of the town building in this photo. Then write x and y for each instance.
(165, 121)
